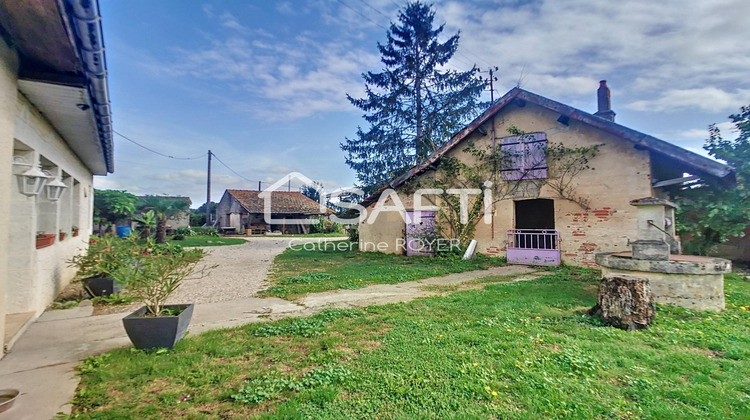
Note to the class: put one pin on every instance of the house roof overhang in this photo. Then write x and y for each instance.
(692, 162)
(62, 71)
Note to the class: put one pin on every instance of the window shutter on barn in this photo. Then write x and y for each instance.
(524, 157)
(511, 156)
(536, 156)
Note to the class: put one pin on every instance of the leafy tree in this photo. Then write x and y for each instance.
(312, 191)
(198, 216)
(413, 105)
(112, 206)
(165, 209)
(713, 212)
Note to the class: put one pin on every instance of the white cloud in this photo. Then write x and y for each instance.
(708, 99)
(643, 47)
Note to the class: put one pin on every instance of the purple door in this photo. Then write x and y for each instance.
(420, 233)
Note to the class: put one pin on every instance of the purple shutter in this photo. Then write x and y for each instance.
(536, 156)
(511, 156)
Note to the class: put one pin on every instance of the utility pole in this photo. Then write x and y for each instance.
(492, 79)
(208, 191)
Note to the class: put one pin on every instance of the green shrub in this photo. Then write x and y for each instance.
(151, 272)
(104, 256)
(184, 231)
(178, 237)
(325, 225)
(353, 233)
(205, 231)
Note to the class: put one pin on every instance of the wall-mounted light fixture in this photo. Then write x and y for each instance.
(33, 181)
(55, 189)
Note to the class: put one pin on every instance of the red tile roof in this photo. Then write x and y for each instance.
(282, 202)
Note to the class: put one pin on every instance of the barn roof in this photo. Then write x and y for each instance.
(690, 161)
(282, 202)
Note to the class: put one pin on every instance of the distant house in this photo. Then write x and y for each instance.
(533, 222)
(183, 219)
(55, 135)
(243, 210)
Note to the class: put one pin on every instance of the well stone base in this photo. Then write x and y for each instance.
(687, 281)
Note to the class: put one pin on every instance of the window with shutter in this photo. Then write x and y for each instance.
(524, 157)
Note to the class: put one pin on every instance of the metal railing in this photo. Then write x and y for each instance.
(542, 239)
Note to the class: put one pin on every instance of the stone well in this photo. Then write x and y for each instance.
(689, 281)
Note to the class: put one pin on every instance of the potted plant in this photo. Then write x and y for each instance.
(74, 229)
(104, 256)
(44, 240)
(62, 235)
(151, 276)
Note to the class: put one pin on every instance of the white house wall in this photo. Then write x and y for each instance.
(8, 92)
(35, 276)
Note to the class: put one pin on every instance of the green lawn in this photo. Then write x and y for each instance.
(511, 350)
(297, 272)
(204, 240)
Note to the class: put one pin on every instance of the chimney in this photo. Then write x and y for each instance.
(605, 104)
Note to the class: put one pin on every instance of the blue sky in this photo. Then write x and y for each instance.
(263, 84)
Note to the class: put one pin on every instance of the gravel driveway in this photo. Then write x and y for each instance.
(240, 273)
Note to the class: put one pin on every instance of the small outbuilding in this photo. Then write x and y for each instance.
(562, 182)
(241, 211)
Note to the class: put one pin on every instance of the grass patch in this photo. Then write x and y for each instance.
(205, 240)
(295, 273)
(511, 350)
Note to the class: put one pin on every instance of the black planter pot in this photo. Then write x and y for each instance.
(148, 332)
(101, 286)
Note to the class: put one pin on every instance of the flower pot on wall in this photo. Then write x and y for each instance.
(148, 332)
(75, 232)
(44, 240)
(101, 286)
(62, 236)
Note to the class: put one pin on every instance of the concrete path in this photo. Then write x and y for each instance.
(42, 362)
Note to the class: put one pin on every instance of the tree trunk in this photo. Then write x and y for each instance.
(161, 230)
(625, 302)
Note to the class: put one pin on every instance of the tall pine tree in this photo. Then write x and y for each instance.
(413, 105)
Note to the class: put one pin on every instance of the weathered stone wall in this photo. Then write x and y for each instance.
(697, 292)
(229, 206)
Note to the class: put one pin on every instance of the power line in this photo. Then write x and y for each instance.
(361, 14)
(154, 151)
(375, 9)
(235, 172)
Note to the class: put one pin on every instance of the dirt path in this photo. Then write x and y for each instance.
(240, 271)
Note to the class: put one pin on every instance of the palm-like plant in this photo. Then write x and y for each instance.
(165, 208)
(148, 222)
